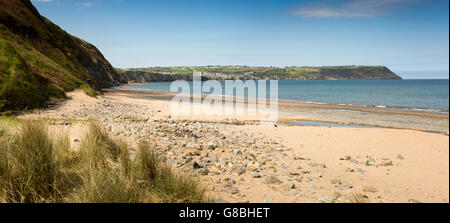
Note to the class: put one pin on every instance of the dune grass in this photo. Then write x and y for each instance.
(358, 198)
(39, 167)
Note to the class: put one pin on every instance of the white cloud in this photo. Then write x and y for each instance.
(350, 8)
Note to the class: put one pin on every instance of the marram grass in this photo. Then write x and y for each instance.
(39, 167)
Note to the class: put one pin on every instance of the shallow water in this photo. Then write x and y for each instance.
(327, 124)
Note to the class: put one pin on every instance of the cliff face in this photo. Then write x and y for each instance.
(356, 73)
(144, 76)
(39, 60)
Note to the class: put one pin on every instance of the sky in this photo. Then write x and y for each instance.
(411, 37)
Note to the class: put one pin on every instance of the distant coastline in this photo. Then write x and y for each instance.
(161, 74)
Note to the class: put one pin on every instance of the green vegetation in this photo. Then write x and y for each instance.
(39, 61)
(277, 73)
(36, 166)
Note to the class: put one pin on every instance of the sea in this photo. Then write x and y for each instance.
(421, 95)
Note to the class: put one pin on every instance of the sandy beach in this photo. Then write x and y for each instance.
(396, 156)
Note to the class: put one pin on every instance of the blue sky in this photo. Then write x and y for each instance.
(411, 37)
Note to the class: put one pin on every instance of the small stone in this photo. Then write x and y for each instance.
(273, 180)
(354, 161)
(336, 181)
(196, 165)
(413, 201)
(190, 146)
(197, 152)
(387, 163)
(346, 186)
(370, 189)
(234, 190)
(346, 158)
(264, 181)
(256, 175)
(400, 157)
(318, 165)
(349, 169)
(211, 146)
(251, 168)
(294, 172)
(76, 140)
(326, 199)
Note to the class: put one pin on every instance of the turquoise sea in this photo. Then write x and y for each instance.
(427, 95)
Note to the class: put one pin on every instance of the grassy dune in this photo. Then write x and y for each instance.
(39, 167)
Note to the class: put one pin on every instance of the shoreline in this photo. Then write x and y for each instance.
(387, 107)
(290, 111)
(426, 112)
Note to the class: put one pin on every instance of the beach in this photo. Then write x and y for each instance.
(371, 155)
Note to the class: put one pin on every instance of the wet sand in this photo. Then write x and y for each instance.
(289, 112)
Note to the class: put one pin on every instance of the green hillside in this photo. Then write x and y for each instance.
(39, 60)
(276, 73)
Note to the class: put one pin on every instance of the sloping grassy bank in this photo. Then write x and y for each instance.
(40, 61)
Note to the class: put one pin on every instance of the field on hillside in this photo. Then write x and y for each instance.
(280, 73)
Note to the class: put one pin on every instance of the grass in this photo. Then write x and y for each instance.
(358, 198)
(39, 167)
(39, 61)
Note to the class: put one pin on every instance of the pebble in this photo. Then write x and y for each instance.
(197, 165)
(349, 169)
(346, 185)
(256, 175)
(273, 180)
(413, 201)
(326, 199)
(369, 189)
(335, 181)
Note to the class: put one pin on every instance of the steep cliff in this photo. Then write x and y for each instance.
(39, 60)
(131, 76)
